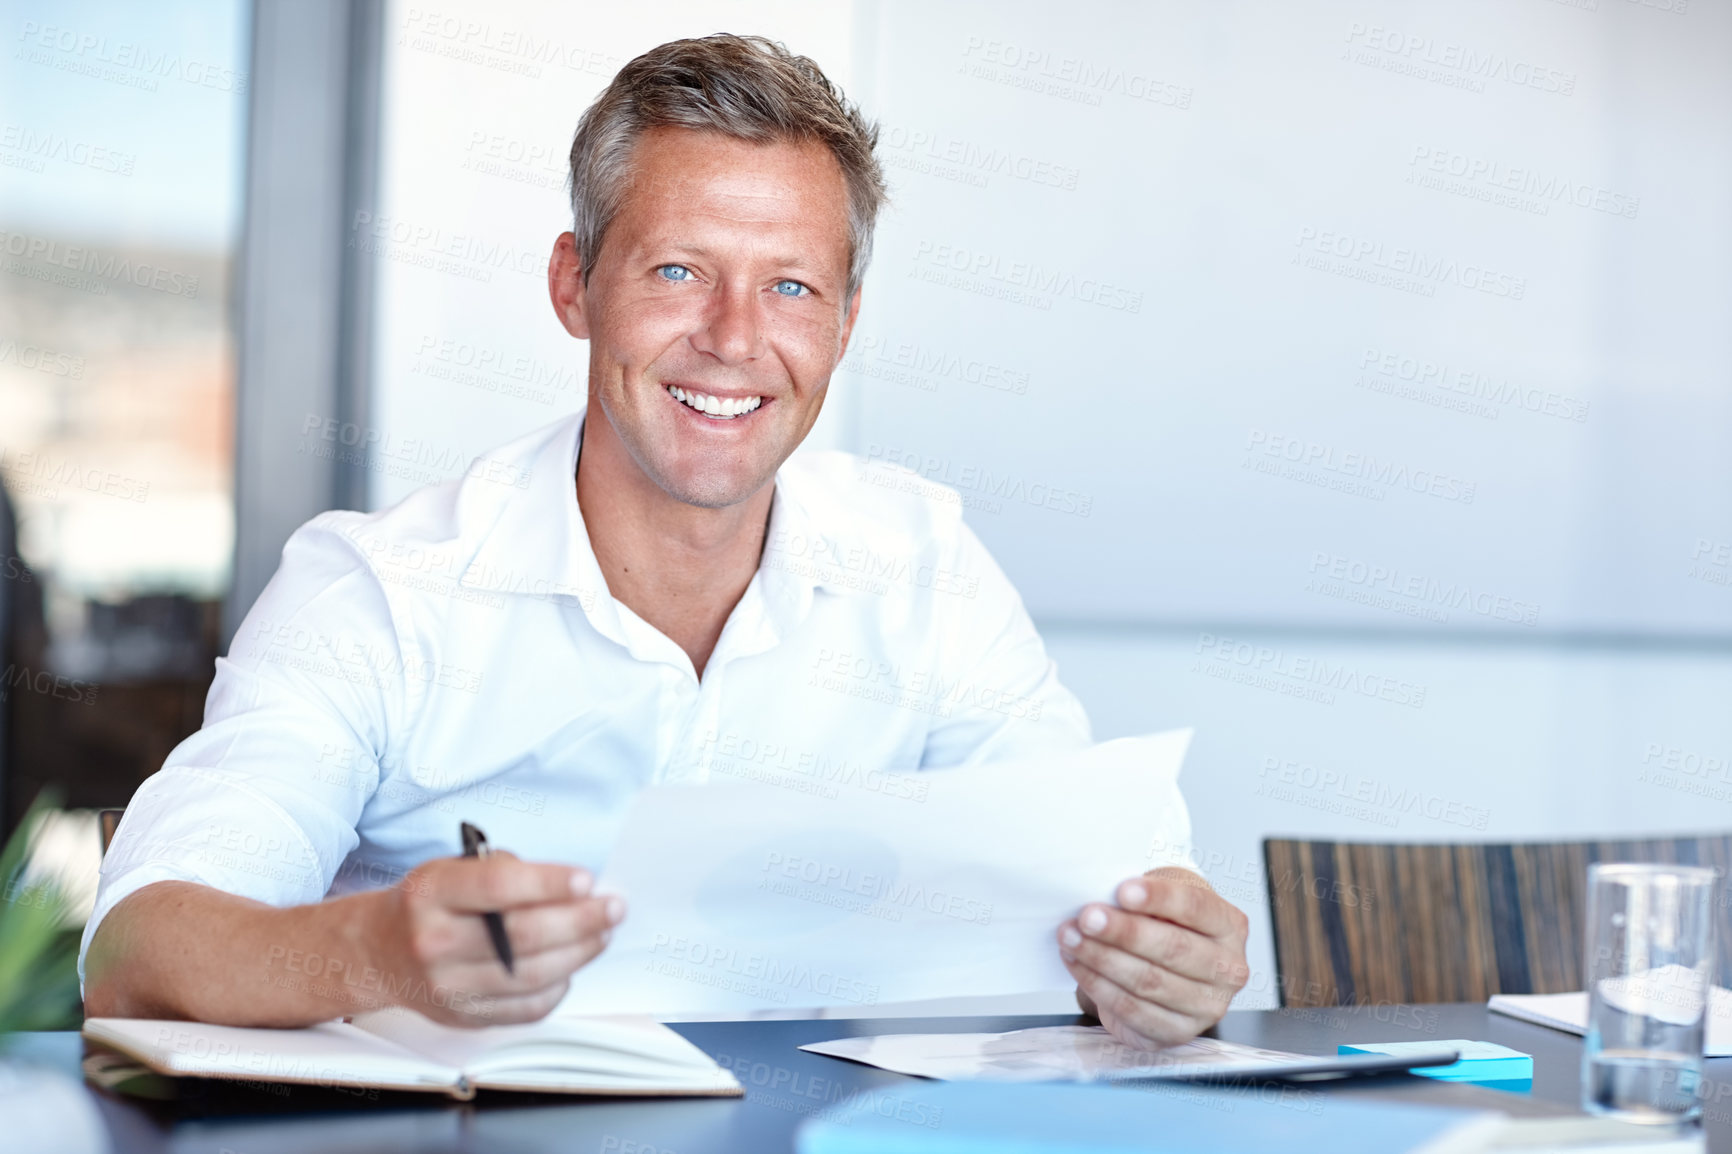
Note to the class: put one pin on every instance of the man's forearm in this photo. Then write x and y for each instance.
(181, 950)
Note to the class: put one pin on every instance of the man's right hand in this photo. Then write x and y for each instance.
(178, 949)
(433, 935)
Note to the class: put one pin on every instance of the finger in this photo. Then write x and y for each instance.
(1132, 1020)
(1148, 981)
(530, 974)
(536, 928)
(1170, 946)
(506, 1011)
(1178, 895)
(500, 882)
(460, 937)
(539, 970)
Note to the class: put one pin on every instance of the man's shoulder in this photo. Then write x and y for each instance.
(888, 506)
(437, 528)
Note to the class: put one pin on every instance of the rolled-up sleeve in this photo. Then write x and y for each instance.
(1002, 691)
(263, 801)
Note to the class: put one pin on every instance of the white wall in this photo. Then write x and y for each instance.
(1137, 251)
(1187, 303)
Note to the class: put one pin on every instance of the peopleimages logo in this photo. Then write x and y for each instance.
(1067, 77)
(738, 755)
(1497, 177)
(1025, 276)
(1317, 674)
(893, 894)
(1711, 561)
(503, 48)
(45, 683)
(439, 250)
(105, 267)
(137, 65)
(1373, 257)
(882, 358)
(37, 147)
(42, 475)
(1469, 385)
(55, 364)
(976, 160)
(764, 976)
(413, 457)
(1336, 791)
(1422, 590)
(1360, 469)
(973, 480)
(1470, 64)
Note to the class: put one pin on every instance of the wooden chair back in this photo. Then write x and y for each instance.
(1389, 923)
(107, 821)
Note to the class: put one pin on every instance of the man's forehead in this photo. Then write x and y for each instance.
(708, 172)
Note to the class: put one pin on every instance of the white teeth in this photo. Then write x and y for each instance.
(721, 408)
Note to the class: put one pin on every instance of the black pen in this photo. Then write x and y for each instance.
(475, 845)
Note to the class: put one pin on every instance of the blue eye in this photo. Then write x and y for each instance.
(791, 288)
(675, 272)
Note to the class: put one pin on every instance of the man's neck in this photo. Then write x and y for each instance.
(679, 567)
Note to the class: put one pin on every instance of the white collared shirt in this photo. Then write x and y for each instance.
(458, 657)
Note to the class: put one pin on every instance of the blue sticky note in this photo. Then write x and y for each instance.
(1482, 1063)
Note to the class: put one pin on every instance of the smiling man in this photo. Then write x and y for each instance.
(653, 590)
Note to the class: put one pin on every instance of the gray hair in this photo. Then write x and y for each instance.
(745, 87)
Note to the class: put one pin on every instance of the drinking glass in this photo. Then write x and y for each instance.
(1650, 959)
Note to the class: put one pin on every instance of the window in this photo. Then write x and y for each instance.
(120, 181)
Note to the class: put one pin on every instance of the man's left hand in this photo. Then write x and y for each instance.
(1162, 966)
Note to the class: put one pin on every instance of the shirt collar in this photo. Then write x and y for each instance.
(537, 545)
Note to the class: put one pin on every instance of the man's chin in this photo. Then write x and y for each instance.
(708, 476)
(708, 490)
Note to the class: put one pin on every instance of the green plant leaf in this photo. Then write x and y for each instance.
(38, 954)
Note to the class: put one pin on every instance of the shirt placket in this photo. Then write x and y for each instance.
(694, 741)
(682, 702)
(752, 629)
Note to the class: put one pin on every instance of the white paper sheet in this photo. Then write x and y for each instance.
(1047, 1054)
(1674, 994)
(1569, 1012)
(756, 896)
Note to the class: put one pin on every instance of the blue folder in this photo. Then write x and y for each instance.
(1073, 1118)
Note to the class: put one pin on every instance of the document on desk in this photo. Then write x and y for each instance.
(1049, 1054)
(755, 896)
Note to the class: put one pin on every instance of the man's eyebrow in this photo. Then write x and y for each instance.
(679, 248)
(793, 262)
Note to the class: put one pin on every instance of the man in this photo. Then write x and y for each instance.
(525, 653)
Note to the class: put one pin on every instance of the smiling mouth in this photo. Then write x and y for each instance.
(716, 408)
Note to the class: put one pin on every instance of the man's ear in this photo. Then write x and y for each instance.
(565, 286)
(848, 324)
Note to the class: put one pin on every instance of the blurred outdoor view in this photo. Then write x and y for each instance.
(121, 148)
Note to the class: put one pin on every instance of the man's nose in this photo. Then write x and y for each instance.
(732, 330)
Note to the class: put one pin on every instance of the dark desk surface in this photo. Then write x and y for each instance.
(783, 1086)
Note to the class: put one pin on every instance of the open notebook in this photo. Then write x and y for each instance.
(398, 1049)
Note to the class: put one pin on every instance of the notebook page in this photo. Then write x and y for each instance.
(331, 1053)
(600, 1049)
